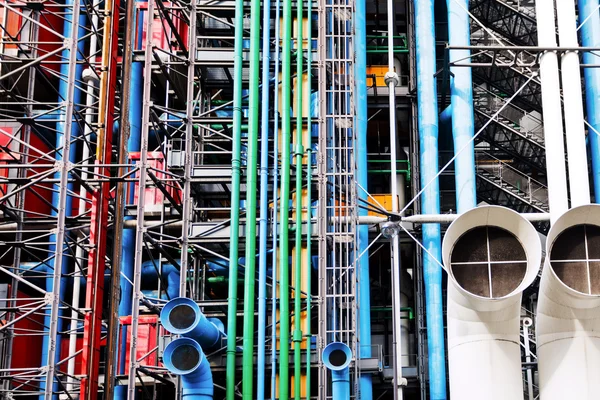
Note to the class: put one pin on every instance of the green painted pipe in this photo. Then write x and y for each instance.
(221, 279)
(309, 197)
(252, 187)
(298, 237)
(235, 201)
(284, 277)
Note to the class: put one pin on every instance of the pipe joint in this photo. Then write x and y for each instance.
(391, 77)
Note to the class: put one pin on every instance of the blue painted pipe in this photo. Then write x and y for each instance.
(182, 316)
(590, 37)
(264, 205)
(169, 273)
(337, 357)
(461, 93)
(364, 290)
(427, 108)
(63, 88)
(184, 357)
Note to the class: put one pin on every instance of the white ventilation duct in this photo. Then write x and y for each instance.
(568, 311)
(492, 254)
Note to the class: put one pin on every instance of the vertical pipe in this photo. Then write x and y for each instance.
(428, 144)
(461, 93)
(590, 37)
(275, 197)
(309, 197)
(392, 81)
(89, 115)
(128, 237)
(251, 187)
(573, 106)
(552, 113)
(364, 291)
(298, 234)
(61, 131)
(264, 202)
(235, 201)
(284, 278)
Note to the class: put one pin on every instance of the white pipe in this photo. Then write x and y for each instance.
(568, 312)
(573, 105)
(484, 300)
(552, 110)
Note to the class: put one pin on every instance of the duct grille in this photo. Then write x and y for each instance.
(575, 258)
(488, 261)
(182, 316)
(185, 357)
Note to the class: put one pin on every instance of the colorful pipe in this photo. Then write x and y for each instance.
(184, 357)
(427, 109)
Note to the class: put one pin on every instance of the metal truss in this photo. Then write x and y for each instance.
(507, 20)
(337, 185)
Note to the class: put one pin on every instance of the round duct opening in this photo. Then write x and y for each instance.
(182, 317)
(185, 357)
(488, 261)
(575, 258)
(337, 356)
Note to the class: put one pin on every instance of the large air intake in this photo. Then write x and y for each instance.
(568, 312)
(492, 254)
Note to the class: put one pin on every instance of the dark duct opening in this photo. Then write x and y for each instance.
(488, 261)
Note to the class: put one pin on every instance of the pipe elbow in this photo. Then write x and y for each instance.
(182, 316)
(184, 357)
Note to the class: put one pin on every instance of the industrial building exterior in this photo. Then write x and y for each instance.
(328, 199)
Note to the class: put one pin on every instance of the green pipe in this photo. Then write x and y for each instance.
(235, 201)
(284, 277)
(389, 309)
(221, 279)
(309, 197)
(251, 204)
(298, 237)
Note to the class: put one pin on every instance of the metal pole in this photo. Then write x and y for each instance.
(391, 78)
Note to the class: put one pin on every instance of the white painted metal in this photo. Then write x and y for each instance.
(484, 351)
(573, 105)
(568, 326)
(552, 110)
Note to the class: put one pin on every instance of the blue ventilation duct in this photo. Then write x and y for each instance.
(337, 357)
(182, 316)
(184, 357)
(589, 17)
(427, 108)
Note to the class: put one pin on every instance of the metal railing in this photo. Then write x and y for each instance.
(527, 123)
(531, 188)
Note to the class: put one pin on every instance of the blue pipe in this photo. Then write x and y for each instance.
(461, 94)
(182, 316)
(337, 357)
(63, 88)
(184, 357)
(264, 202)
(168, 272)
(275, 196)
(364, 290)
(430, 202)
(128, 238)
(590, 37)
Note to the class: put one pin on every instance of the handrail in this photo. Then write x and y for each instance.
(479, 89)
(533, 189)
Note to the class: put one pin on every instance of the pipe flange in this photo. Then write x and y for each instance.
(391, 77)
(527, 322)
